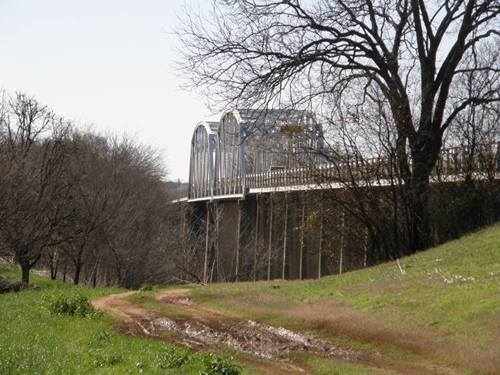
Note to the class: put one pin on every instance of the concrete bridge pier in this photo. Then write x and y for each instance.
(266, 236)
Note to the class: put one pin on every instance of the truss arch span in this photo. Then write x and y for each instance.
(230, 168)
(235, 154)
(202, 160)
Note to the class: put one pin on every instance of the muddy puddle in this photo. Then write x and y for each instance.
(209, 330)
(201, 328)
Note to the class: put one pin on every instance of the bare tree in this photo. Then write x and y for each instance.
(92, 205)
(298, 53)
(32, 191)
(92, 188)
(185, 242)
(476, 127)
(117, 199)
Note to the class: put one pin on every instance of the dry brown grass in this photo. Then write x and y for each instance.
(339, 320)
(403, 348)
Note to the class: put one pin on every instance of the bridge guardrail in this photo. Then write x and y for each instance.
(454, 163)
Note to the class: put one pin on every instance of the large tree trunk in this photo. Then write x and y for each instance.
(53, 272)
(420, 225)
(25, 271)
(23, 259)
(54, 265)
(93, 276)
(65, 270)
(78, 265)
(76, 279)
(94, 280)
(78, 269)
(424, 154)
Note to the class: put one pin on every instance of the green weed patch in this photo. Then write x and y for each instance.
(73, 304)
(55, 330)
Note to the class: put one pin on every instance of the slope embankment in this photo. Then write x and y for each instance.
(435, 312)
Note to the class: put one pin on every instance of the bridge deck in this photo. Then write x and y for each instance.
(452, 165)
(331, 186)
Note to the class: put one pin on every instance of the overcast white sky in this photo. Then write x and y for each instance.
(109, 63)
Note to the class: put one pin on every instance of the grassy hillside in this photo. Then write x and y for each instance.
(439, 308)
(435, 312)
(35, 341)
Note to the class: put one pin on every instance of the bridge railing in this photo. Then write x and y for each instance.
(229, 186)
(453, 164)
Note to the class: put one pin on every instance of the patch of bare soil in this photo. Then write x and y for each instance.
(397, 348)
(207, 329)
(211, 328)
(116, 305)
(266, 347)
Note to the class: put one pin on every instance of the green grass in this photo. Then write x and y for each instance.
(449, 296)
(34, 341)
(453, 285)
(146, 300)
(451, 293)
(323, 366)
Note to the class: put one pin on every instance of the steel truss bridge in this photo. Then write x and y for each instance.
(252, 212)
(255, 151)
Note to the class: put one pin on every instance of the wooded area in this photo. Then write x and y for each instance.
(88, 207)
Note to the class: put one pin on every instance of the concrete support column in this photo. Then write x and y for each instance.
(270, 245)
(238, 243)
(302, 230)
(320, 247)
(285, 232)
(207, 244)
(365, 248)
(256, 247)
(342, 235)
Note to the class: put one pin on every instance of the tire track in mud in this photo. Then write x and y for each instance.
(201, 328)
(213, 328)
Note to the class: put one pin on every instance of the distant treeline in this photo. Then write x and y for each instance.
(89, 208)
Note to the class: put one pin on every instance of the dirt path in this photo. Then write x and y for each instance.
(179, 320)
(182, 321)
(201, 328)
(116, 305)
(212, 328)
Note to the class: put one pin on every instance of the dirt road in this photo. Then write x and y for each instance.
(172, 316)
(201, 328)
